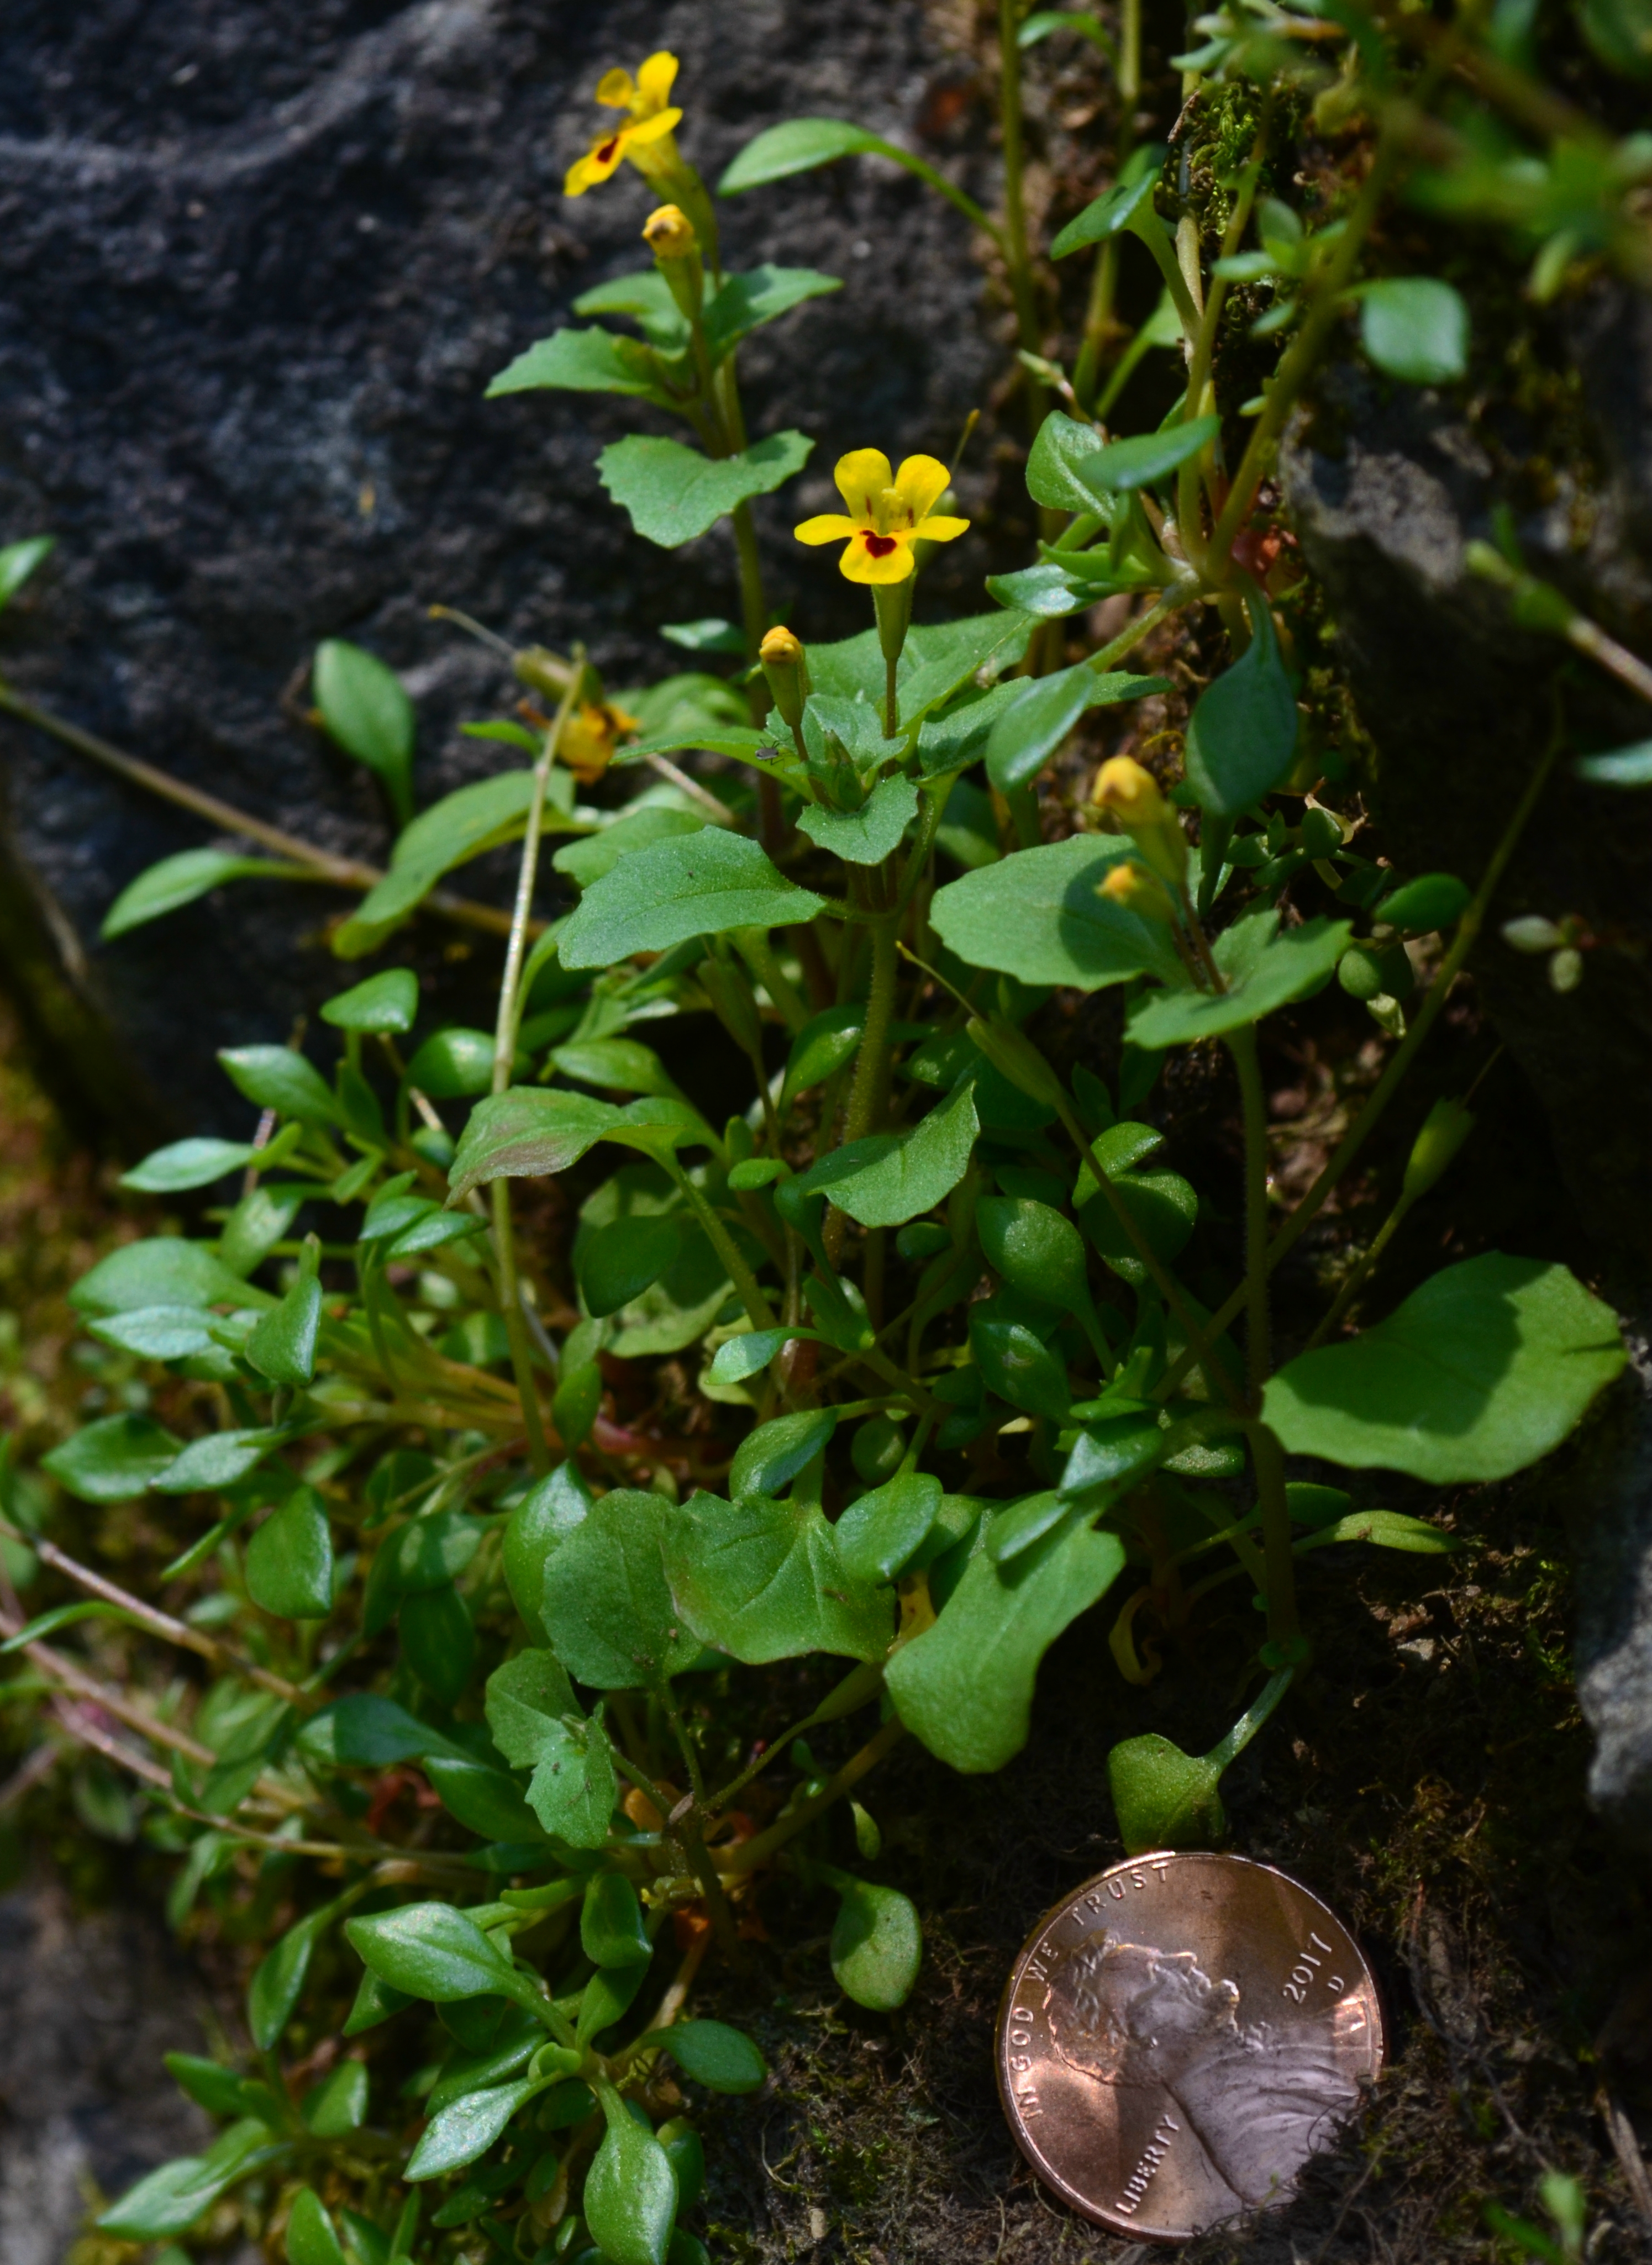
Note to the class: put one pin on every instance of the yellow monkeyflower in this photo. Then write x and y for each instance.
(591, 735)
(888, 511)
(646, 97)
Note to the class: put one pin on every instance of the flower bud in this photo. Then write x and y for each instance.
(1014, 1056)
(1131, 794)
(786, 666)
(1566, 969)
(1135, 889)
(1444, 1129)
(669, 235)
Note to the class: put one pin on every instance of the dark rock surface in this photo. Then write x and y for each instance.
(88, 2005)
(1385, 487)
(259, 260)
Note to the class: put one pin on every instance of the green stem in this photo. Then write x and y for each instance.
(872, 1059)
(1359, 1131)
(771, 819)
(1252, 1720)
(506, 1025)
(1184, 592)
(728, 1250)
(1361, 1268)
(1015, 198)
(1267, 1457)
(751, 1853)
(1241, 1044)
(1303, 353)
(316, 864)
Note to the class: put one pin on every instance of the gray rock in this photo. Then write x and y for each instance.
(88, 2005)
(258, 263)
(1385, 487)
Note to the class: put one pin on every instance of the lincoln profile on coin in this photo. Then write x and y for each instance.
(1259, 2100)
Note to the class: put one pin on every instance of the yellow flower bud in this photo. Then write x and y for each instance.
(669, 234)
(786, 667)
(1135, 889)
(1129, 793)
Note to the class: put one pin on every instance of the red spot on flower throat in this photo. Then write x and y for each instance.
(879, 546)
(607, 152)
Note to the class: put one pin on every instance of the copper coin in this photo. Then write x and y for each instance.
(1179, 2035)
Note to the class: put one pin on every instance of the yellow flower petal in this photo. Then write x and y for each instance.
(615, 90)
(827, 527)
(598, 163)
(922, 482)
(654, 80)
(860, 563)
(940, 530)
(652, 129)
(862, 476)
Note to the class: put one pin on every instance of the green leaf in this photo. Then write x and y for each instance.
(867, 835)
(1384, 1529)
(162, 1269)
(743, 1356)
(18, 561)
(631, 2190)
(762, 1580)
(113, 1458)
(516, 2037)
(1107, 215)
(1481, 1372)
(171, 2199)
(674, 493)
(622, 1065)
(1038, 1251)
(964, 1687)
(289, 1560)
(578, 362)
(748, 301)
(1164, 1798)
(1049, 590)
(217, 1459)
(645, 296)
(1624, 766)
(553, 1508)
(1163, 1204)
(1036, 915)
(1432, 900)
(367, 1732)
(588, 860)
(159, 1332)
(877, 1945)
(1052, 479)
(178, 880)
(660, 896)
(218, 2089)
(722, 2058)
(338, 2103)
(310, 2239)
(611, 1930)
(1264, 970)
(467, 2128)
(453, 1065)
(386, 1002)
(524, 1132)
(606, 1603)
(375, 2002)
(824, 1042)
(366, 709)
(487, 1801)
(769, 1458)
(795, 146)
(273, 1991)
(283, 1345)
(433, 1951)
(1242, 733)
(1028, 731)
(880, 1532)
(188, 1164)
(889, 1178)
(617, 1262)
(1415, 327)
(276, 1077)
(1145, 458)
(439, 1642)
(1017, 1365)
(481, 816)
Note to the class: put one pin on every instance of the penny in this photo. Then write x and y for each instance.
(1179, 2035)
